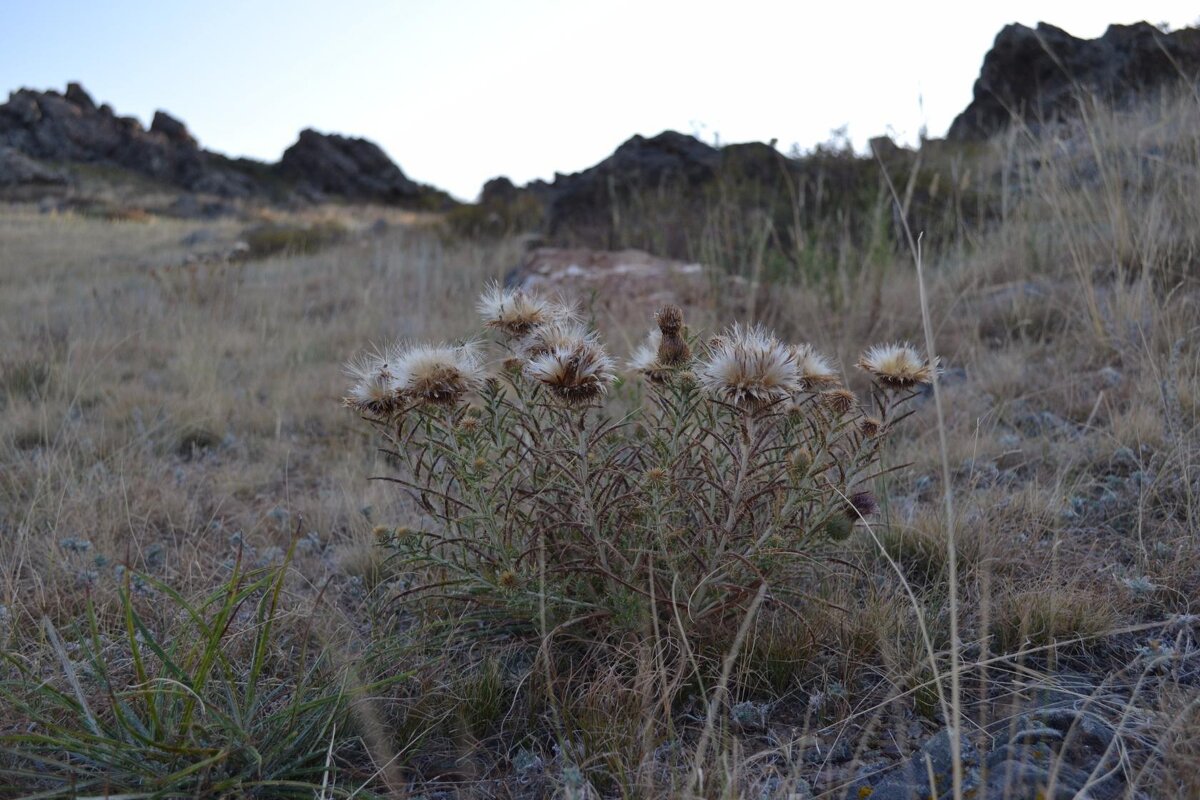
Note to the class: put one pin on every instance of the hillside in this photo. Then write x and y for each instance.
(248, 547)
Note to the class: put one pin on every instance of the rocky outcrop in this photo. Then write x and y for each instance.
(40, 131)
(1037, 74)
(680, 198)
(329, 164)
(669, 160)
(17, 169)
(71, 129)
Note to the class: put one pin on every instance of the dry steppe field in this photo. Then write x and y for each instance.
(200, 587)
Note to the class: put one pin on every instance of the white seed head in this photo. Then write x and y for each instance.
(749, 367)
(557, 333)
(437, 374)
(372, 391)
(897, 366)
(515, 312)
(645, 360)
(816, 371)
(575, 372)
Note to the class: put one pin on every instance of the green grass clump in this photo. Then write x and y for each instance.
(182, 699)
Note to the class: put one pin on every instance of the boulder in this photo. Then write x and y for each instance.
(1037, 73)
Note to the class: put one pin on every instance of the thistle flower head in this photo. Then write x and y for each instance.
(575, 372)
(897, 366)
(645, 358)
(870, 426)
(372, 391)
(673, 350)
(816, 371)
(669, 318)
(515, 312)
(749, 367)
(861, 504)
(437, 374)
(559, 332)
(839, 401)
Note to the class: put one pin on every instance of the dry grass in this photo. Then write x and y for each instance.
(172, 427)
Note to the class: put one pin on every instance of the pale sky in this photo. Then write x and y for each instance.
(459, 91)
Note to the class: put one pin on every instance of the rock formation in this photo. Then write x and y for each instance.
(1038, 74)
(42, 131)
(338, 165)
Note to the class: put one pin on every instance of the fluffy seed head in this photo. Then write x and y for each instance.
(897, 366)
(437, 374)
(816, 371)
(645, 358)
(559, 332)
(515, 312)
(749, 367)
(575, 372)
(372, 391)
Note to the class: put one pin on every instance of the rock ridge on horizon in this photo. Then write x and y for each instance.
(69, 128)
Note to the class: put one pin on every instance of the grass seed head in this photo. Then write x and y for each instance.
(897, 366)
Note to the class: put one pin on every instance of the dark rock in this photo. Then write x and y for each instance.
(69, 128)
(171, 128)
(17, 169)
(1089, 735)
(79, 96)
(353, 168)
(1037, 73)
(584, 200)
(498, 190)
(910, 779)
(1021, 780)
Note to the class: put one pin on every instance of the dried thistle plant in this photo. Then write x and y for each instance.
(541, 514)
